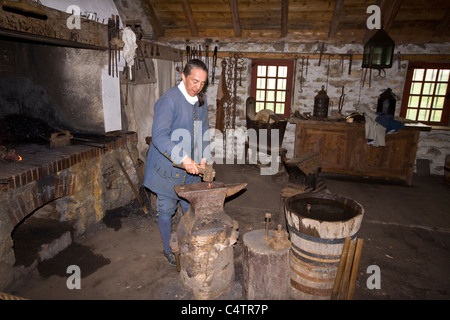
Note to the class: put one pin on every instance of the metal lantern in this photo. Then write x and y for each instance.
(378, 51)
(321, 101)
(386, 102)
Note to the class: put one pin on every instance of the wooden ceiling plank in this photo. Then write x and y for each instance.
(154, 21)
(190, 18)
(235, 18)
(338, 9)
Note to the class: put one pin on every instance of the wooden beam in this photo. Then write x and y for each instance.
(156, 51)
(337, 13)
(190, 18)
(388, 13)
(284, 17)
(443, 26)
(154, 21)
(235, 18)
(54, 30)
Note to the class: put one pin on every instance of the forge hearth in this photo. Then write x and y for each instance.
(81, 181)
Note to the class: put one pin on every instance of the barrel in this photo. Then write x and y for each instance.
(318, 224)
(447, 169)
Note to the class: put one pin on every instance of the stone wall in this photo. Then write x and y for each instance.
(333, 75)
(80, 182)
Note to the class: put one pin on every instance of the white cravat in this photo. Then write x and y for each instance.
(190, 99)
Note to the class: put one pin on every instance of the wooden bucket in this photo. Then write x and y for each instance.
(318, 224)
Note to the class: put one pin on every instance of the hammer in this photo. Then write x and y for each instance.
(208, 174)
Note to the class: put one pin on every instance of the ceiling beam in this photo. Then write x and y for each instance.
(284, 17)
(443, 26)
(337, 13)
(154, 21)
(190, 18)
(389, 11)
(235, 18)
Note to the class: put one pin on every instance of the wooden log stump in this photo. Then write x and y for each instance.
(266, 271)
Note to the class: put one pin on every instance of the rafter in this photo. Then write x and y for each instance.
(338, 9)
(190, 18)
(154, 21)
(235, 18)
(284, 17)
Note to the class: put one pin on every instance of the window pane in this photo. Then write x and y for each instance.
(416, 87)
(281, 84)
(411, 114)
(262, 71)
(281, 96)
(431, 74)
(272, 71)
(418, 74)
(270, 96)
(423, 115)
(413, 101)
(428, 88)
(271, 83)
(259, 106)
(280, 108)
(282, 72)
(425, 103)
(443, 75)
(441, 89)
(436, 115)
(270, 106)
(260, 94)
(261, 83)
(438, 102)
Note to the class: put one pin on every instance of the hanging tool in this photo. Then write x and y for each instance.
(301, 74)
(214, 65)
(188, 53)
(399, 60)
(321, 53)
(341, 101)
(350, 64)
(328, 69)
(207, 57)
(307, 64)
(110, 32)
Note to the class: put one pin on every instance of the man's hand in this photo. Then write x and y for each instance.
(190, 166)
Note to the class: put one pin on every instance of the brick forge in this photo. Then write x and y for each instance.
(80, 182)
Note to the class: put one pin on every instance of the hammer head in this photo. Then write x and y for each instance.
(209, 174)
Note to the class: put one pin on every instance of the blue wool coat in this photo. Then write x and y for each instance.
(179, 129)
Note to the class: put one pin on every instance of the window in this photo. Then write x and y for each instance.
(271, 85)
(425, 97)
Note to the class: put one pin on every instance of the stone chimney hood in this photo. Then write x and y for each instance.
(36, 22)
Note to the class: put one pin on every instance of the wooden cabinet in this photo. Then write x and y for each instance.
(344, 149)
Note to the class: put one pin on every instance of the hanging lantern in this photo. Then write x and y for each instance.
(378, 51)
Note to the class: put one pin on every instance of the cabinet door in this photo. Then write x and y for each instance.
(395, 160)
(333, 146)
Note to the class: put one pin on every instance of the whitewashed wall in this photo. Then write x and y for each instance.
(355, 93)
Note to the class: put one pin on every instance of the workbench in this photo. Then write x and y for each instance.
(344, 149)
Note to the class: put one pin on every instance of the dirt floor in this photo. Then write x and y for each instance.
(406, 232)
